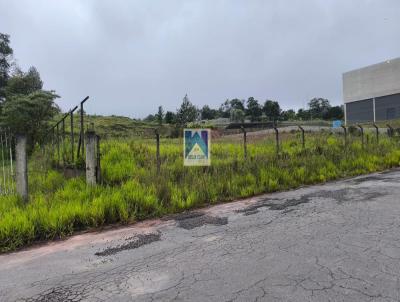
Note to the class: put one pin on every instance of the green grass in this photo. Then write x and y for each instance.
(133, 190)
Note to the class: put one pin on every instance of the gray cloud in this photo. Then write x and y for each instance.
(131, 56)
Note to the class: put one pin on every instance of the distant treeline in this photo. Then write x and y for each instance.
(238, 110)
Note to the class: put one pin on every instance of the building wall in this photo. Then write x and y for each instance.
(360, 111)
(387, 107)
(372, 81)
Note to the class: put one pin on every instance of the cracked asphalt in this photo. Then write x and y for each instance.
(334, 242)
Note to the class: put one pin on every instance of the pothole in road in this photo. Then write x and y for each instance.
(193, 220)
(58, 294)
(378, 177)
(133, 243)
(340, 196)
(270, 203)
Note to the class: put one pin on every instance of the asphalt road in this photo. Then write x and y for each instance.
(334, 242)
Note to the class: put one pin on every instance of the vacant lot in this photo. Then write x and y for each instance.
(133, 189)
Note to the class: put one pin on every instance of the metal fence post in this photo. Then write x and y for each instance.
(71, 113)
(82, 130)
(63, 140)
(362, 135)
(377, 133)
(21, 167)
(58, 146)
(158, 150)
(302, 136)
(390, 130)
(277, 139)
(244, 141)
(345, 135)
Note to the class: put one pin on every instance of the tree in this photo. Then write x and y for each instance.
(288, 115)
(237, 104)
(272, 110)
(5, 57)
(253, 109)
(228, 105)
(150, 118)
(303, 114)
(24, 82)
(224, 109)
(187, 113)
(318, 107)
(29, 114)
(207, 113)
(160, 115)
(334, 113)
(170, 117)
(237, 115)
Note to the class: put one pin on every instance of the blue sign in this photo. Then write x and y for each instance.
(337, 124)
(196, 147)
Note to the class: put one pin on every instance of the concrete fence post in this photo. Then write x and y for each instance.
(21, 166)
(91, 158)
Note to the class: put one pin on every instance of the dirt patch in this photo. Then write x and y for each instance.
(197, 219)
(133, 243)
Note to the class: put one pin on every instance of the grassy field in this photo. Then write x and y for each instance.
(133, 190)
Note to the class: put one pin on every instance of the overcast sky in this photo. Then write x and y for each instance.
(131, 56)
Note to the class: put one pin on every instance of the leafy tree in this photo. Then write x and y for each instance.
(5, 57)
(160, 115)
(334, 113)
(303, 114)
(318, 107)
(224, 109)
(228, 105)
(29, 114)
(207, 113)
(187, 113)
(150, 118)
(170, 117)
(288, 115)
(272, 110)
(253, 109)
(24, 82)
(237, 115)
(237, 104)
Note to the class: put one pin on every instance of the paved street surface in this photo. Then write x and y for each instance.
(334, 242)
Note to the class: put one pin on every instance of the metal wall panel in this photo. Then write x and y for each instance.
(372, 81)
(360, 111)
(387, 107)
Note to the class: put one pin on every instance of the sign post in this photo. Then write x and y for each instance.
(196, 147)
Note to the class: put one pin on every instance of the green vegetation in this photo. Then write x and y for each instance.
(133, 190)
